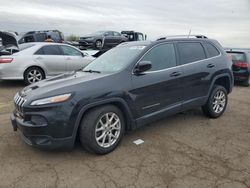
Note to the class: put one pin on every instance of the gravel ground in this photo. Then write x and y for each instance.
(186, 150)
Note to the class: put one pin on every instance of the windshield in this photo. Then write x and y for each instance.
(115, 59)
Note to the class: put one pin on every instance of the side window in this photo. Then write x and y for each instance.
(211, 50)
(39, 52)
(109, 34)
(161, 57)
(29, 39)
(40, 37)
(140, 37)
(117, 34)
(190, 52)
(52, 50)
(70, 51)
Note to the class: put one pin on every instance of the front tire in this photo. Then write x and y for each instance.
(102, 129)
(33, 74)
(217, 102)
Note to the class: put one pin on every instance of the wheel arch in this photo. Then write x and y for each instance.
(224, 80)
(37, 66)
(119, 103)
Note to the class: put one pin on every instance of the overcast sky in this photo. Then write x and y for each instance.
(228, 21)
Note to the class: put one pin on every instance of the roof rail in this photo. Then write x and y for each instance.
(182, 36)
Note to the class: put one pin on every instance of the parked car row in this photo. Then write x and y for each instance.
(37, 61)
(103, 40)
(108, 39)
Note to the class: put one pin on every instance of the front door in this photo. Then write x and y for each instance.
(158, 89)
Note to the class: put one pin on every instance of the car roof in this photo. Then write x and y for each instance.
(147, 43)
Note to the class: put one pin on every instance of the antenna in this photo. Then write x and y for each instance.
(189, 33)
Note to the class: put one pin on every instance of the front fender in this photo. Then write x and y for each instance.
(122, 105)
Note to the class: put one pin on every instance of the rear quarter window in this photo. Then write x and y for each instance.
(190, 52)
(211, 50)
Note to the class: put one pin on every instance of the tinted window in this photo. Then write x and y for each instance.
(55, 36)
(109, 33)
(237, 56)
(190, 52)
(39, 52)
(211, 50)
(29, 39)
(70, 51)
(140, 37)
(51, 50)
(117, 34)
(161, 57)
(40, 37)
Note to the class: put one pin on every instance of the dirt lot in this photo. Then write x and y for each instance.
(186, 150)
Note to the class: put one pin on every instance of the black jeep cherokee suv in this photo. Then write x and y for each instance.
(131, 85)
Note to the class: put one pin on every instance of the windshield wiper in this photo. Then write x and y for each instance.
(92, 71)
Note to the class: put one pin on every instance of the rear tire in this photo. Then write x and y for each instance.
(33, 74)
(98, 44)
(102, 129)
(216, 103)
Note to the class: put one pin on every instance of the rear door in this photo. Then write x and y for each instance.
(198, 69)
(109, 39)
(117, 38)
(158, 89)
(73, 58)
(52, 58)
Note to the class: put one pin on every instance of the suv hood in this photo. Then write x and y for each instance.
(56, 85)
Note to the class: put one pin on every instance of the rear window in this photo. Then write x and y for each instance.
(211, 50)
(191, 52)
(237, 56)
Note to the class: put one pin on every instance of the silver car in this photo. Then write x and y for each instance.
(37, 61)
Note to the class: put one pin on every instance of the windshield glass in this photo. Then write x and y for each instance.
(115, 59)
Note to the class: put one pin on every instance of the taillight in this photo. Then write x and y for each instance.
(6, 60)
(241, 64)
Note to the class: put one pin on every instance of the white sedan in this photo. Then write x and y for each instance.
(37, 61)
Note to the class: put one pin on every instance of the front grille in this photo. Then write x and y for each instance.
(19, 102)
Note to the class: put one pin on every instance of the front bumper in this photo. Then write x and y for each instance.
(86, 43)
(36, 135)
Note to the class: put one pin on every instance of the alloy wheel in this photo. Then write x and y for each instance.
(34, 76)
(219, 101)
(108, 129)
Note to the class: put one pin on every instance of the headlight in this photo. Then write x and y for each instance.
(51, 100)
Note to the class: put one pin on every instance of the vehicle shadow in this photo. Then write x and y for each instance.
(12, 83)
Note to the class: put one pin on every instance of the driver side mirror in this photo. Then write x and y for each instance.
(142, 67)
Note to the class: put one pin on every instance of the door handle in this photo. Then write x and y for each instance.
(175, 74)
(210, 65)
(68, 58)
